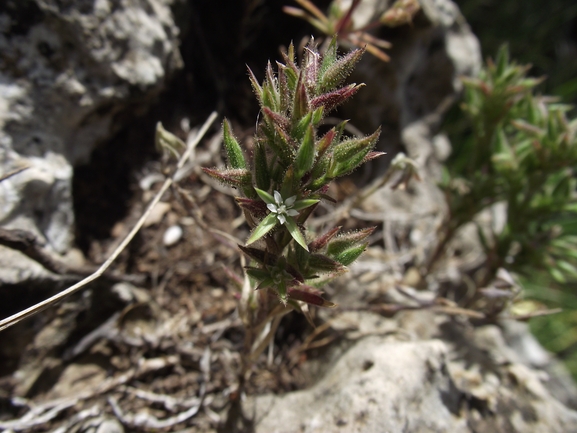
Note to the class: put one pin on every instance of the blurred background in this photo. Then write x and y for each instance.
(542, 33)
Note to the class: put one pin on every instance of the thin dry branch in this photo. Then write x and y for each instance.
(15, 318)
(29, 245)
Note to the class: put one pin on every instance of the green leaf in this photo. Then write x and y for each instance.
(557, 275)
(300, 129)
(290, 183)
(257, 273)
(502, 59)
(266, 225)
(261, 171)
(348, 240)
(281, 290)
(349, 256)
(295, 232)
(321, 263)
(301, 204)
(263, 257)
(338, 71)
(255, 86)
(233, 150)
(317, 115)
(329, 58)
(567, 267)
(301, 100)
(306, 154)
(235, 177)
(346, 150)
(265, 196)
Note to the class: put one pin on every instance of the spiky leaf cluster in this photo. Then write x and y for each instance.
(291, 168)
(523, 152)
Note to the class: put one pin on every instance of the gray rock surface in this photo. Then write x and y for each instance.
(66, 70)
(409, 95)
(374, 387)
(420, 373)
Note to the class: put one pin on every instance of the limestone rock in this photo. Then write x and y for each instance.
(419, 372)
(374, 387)
(67, 70)
(409, 94)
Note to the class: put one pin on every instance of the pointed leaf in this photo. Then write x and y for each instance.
(348, 240)
(265, 196)
(301, 101)
(290, 183)
(263, 257)
(321, 242)
(295, 232)
(257, 273)
(261, 172)
(255, 86)
(304, 203)
(233, 150)
(276, 118)
(300, 129)
(235, 177)
(310, 296)
(317, 115)
(321, 263)
(349, 256)
(256, 208)
(346, 150)
(333, 99)
(266, 225)
(329, 58)
(336, 73)
(325, 143)
(306, 154)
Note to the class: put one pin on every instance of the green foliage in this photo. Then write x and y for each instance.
(290, 172)
(522, 151)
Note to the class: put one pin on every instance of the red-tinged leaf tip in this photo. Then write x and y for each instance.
(325, 143)
(256, 208)
(322, 241)
(373, 155)
(309, 296)
(235, 177)
(263, 257)
(333, 99)
(276, 118)
(328, 198)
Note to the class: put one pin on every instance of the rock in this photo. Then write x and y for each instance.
(374, 387)
(172, 235)
(67, 70)
(409, 94)
(417, 372)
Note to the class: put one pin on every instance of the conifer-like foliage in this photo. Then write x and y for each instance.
(522, 151)
(289, 172)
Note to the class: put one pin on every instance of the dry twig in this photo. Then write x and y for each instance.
(9, 321)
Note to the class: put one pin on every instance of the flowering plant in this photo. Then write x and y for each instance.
(291, 169)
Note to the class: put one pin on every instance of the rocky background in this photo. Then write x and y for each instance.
(154, 344)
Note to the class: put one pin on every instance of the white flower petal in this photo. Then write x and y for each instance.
(272, 208)
(281, 218)
(278, 198)
(292, 212)
(290, 201)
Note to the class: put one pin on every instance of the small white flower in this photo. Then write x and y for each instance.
(282, 208)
